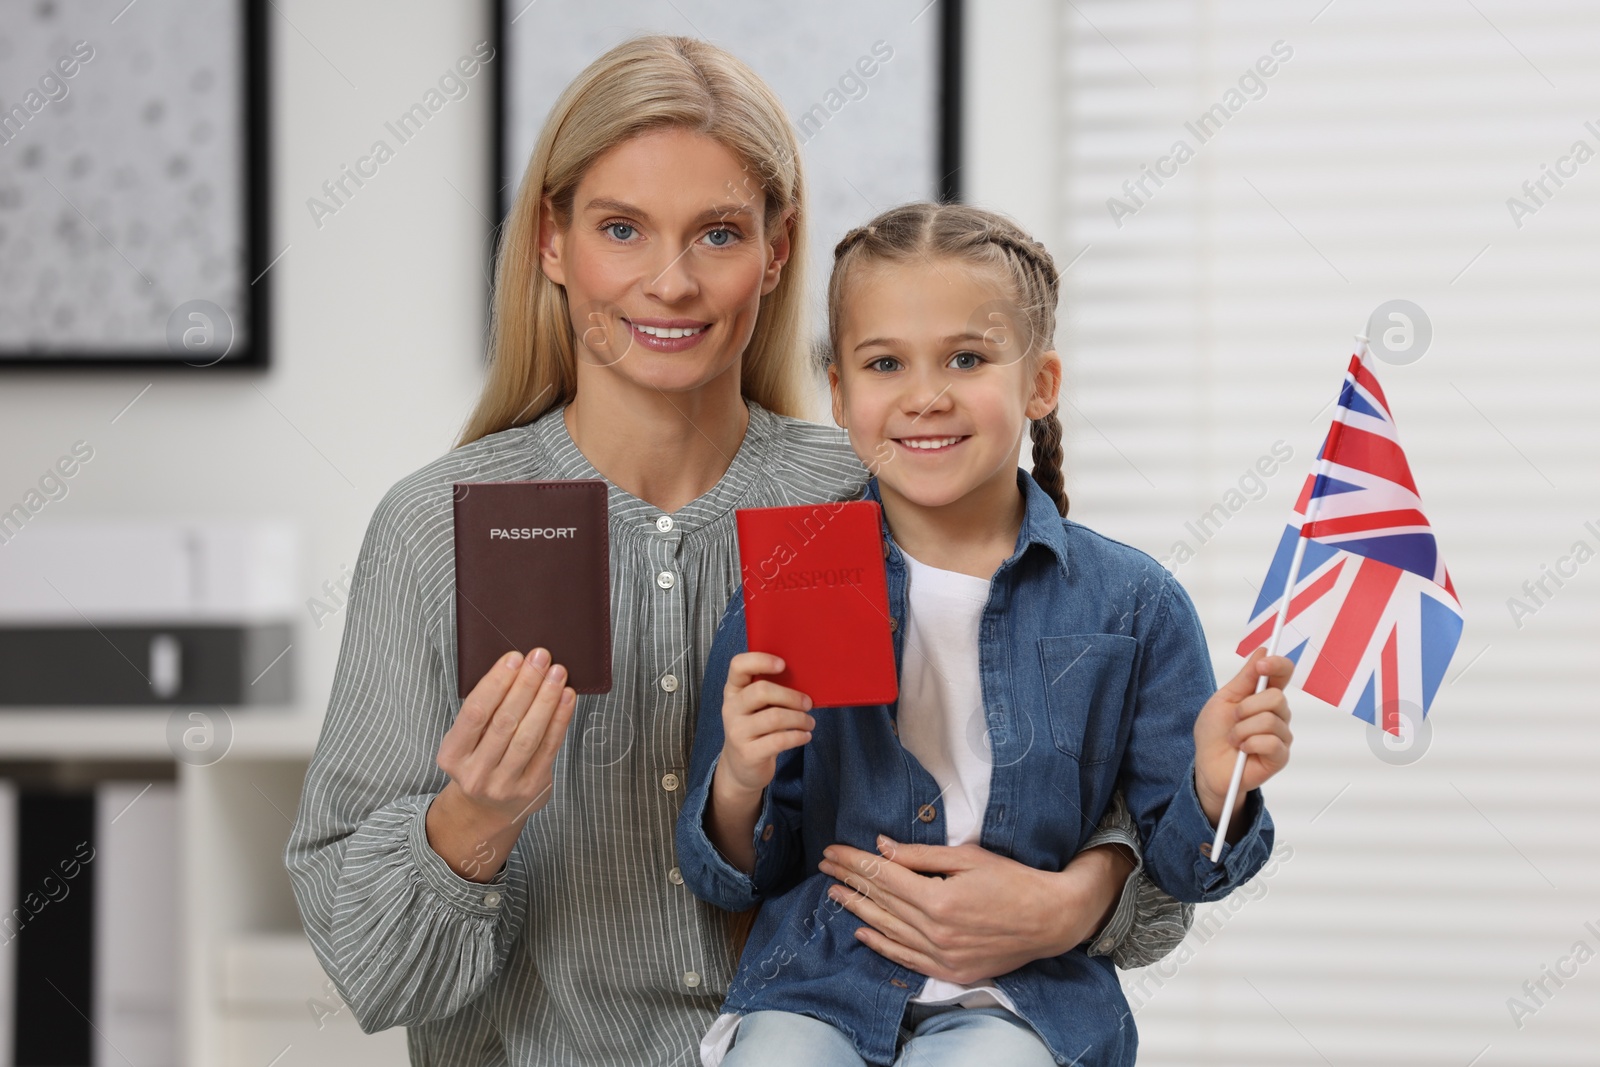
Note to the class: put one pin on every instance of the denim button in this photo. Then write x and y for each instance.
(927, 813)
(766, 833)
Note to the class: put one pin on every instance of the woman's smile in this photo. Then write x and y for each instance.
(653, 266)
(667, 335)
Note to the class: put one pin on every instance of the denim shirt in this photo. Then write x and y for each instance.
(1093, 667)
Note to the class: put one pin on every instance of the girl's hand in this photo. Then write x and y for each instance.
(759, 720)
(500, 755)
(1239, 719)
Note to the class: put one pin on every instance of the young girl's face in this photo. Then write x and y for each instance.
(666, 260)
(929, 381)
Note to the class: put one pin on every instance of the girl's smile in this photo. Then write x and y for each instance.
(925, 446)
(940, 407)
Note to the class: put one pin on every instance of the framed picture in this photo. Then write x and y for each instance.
(133, 184)
(868, 141)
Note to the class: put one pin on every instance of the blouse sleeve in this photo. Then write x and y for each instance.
(1148, 923)
(776, 836)
(404, 938)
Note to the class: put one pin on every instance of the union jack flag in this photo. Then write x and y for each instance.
(1374, 618)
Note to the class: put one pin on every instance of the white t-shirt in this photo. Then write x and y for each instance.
(941, 723)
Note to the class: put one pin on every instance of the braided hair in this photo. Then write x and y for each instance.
(971, 234)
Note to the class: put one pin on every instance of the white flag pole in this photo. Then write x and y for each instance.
(1278, 623)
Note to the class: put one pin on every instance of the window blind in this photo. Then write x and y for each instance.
(1434, 910)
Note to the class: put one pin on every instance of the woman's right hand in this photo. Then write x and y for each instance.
(760, 719)
(500, 755)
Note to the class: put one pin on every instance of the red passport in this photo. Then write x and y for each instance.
(815, 593)
(533, 565)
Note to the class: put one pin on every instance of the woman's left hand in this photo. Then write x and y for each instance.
(987, 916)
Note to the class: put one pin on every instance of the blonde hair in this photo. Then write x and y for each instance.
(981, 238)
(647, 83)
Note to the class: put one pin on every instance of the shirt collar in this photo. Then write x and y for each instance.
(755, 453)
(1042, 523)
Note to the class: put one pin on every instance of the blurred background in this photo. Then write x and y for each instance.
(218, 350)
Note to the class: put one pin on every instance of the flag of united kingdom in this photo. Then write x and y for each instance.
(1373, 620)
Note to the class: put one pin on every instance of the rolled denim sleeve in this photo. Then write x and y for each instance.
(776, 837)
(1174, 682)
(1185, 822)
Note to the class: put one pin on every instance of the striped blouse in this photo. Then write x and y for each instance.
(586, 948)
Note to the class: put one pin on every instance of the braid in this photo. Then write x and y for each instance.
(981, 237)
(961, 231)
(1047, 457)
(853, 238)
(1030, 252)
(1045, 430)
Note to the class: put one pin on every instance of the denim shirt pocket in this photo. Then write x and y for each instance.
(1086, 686)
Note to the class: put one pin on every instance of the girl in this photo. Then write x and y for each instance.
(497, 874)
(1041, 666)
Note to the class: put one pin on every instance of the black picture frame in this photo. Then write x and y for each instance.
(951, 72)
(252, 352)
(949, 112)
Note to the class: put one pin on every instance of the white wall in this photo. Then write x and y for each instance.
(1010, 112)
(377, 320)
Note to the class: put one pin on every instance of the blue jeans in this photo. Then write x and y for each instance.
(941, 1035)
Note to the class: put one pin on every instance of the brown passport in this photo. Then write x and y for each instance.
(533, 563)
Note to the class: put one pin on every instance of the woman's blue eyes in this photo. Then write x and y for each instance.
(721, 237)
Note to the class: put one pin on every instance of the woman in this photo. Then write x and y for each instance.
(502, 881)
